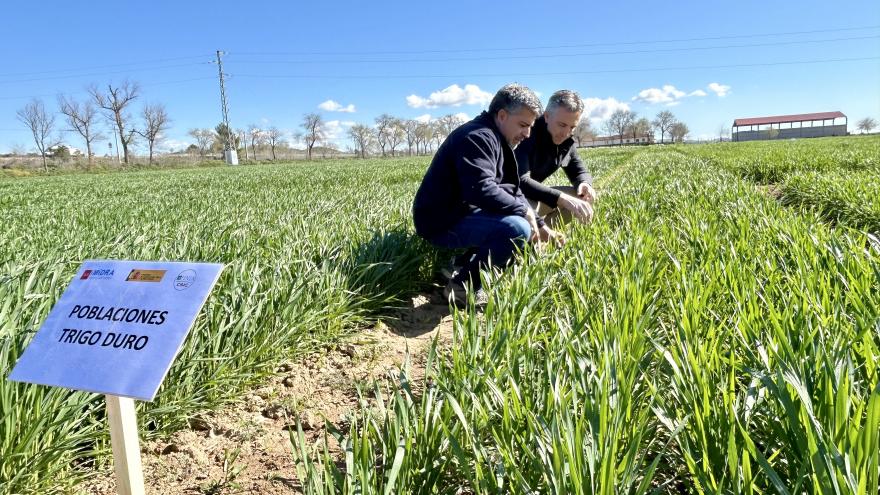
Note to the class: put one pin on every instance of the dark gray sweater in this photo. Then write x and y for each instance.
(474, 168)
(538, 158)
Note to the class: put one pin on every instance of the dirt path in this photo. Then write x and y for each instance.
(245, 447)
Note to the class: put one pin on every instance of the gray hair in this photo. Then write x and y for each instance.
(566, 99)
(514, 97)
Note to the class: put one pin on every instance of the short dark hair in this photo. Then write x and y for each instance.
(512, 98)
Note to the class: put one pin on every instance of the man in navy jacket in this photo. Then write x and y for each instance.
(470, 196)
(549, 148)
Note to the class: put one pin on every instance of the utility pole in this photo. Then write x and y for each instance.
(229, 152)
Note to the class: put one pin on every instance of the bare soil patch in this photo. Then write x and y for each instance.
(245, 446)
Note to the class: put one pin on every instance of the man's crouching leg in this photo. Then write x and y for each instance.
(493, 239)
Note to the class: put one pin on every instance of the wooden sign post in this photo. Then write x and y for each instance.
(116, 330)
(126, 448)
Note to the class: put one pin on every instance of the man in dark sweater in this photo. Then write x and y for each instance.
(470, 196)
(550, 147)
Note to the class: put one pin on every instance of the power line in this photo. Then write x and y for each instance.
(95, 74)
(49, 95)
(111, 66)
(565, 73)
(579, 45)
(161, 83)
(562, 55)
(75, 72)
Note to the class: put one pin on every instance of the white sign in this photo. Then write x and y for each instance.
(118, 327)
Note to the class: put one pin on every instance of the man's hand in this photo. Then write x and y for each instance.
(586, 192)
(580, 209)
(546, 234)
(533, 223)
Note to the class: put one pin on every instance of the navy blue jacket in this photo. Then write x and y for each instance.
(538, 158)
(474, 168)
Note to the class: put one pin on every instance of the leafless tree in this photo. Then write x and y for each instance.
(443, 127)
(437, 133)
(449, 123)
(273, 135)
(156, 122)
(411, 130)
(663, 122)
(41, 125)
(382, 131)
(362, 136)
(313, 125)
(679, 131)
(396, 135)
(113, 102)
(867, 124)
(255, 135)
(619, 122)
(639, 128)
(583, 132)
(81, 118)
(424, 133)
(204, 138)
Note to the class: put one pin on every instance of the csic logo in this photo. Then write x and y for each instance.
(184, 280)
(99, 274)
(138, 275)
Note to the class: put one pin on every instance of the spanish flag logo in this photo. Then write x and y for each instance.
(139, 275)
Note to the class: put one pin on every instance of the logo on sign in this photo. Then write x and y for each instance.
(103, 274)
(138, 275)
(184, 280)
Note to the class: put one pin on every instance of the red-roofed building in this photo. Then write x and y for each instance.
(802, 125)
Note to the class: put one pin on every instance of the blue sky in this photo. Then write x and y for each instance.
(707, 63)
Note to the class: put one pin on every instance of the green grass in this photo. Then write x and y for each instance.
(700, 337)
(769, 162)
(851, 199)
(311, 251)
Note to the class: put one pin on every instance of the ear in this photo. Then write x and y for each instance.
(546, 115)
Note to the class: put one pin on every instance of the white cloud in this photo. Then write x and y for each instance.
(463, 116)
(423, 118)
(336, 129)
(333, 106)
(173, 145)
(719, 89)
(452, 96)
(598, 109)
(668, 95)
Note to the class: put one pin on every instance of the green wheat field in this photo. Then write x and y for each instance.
(715, 330)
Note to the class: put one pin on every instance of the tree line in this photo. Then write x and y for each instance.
(389, 136)
(83, 117)
(626, 123)
(395, 136)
